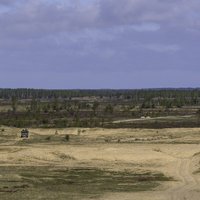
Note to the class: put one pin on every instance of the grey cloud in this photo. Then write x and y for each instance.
(7, 2)
(163, 47)
(146, 27)
(36, 18)
(174, 13)
(95, 37)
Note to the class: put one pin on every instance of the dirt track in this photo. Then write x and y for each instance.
(189, 184)
(186, 186)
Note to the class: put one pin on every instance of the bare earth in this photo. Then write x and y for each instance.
(173, 152)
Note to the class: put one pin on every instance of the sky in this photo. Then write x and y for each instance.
(94, 44)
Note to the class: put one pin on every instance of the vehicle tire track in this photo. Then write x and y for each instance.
(188, 184)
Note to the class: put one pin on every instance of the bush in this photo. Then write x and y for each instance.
(48, 138)
(67, 137)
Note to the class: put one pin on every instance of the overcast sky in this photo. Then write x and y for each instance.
(99, 43)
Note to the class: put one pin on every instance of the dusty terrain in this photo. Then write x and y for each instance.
(111, 164)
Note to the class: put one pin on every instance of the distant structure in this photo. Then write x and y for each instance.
(24, 133)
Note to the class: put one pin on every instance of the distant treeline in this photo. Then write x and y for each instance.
(27, 93)
(166, 96)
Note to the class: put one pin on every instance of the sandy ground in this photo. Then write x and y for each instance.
(174, 152)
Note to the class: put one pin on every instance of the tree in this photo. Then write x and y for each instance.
(33, 105)
(14, 103)
(109, 109)
(198, 115)
(55, 104)
(95, 106)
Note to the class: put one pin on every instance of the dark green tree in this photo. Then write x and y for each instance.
(14, 103)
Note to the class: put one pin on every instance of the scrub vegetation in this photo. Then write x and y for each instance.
(164, 108)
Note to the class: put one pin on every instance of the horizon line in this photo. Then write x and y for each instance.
(145, 88)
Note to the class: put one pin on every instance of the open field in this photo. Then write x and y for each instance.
(104, 164)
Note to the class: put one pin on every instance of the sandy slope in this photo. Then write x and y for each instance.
(187, 186)
(175, 160)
